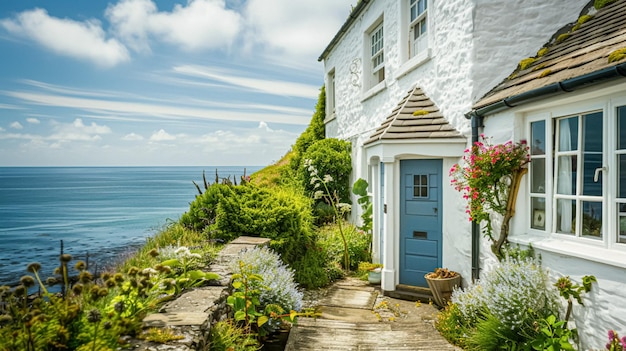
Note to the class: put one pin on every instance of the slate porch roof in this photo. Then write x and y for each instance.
(584, 51)
(401, 124)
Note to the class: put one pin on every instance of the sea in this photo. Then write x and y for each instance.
(99, 213)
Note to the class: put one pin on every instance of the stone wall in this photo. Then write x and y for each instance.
(194, 312)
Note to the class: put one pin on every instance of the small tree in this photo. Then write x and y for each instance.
(489, 179)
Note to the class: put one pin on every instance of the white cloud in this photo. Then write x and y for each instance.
(32, 120)
(201, 24)
(295, 28)
(263, 125)
(155, 110)
(16, 125)
(82, 40)
(275, 87)
(132, 137)
(162, 135)
(78, 131)
(2, 129)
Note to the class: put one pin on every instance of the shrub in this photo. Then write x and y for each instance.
(282, 214)
(358, 244)
(315, 270)
(203, 210)
(330, 157)
(504, 307)
(278, 285)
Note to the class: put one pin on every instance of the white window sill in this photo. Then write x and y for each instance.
(591, 251)
(330, 118)
(413, 63)
(374, 90)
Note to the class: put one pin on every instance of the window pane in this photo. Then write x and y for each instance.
(424, 180)
(538, 175)
(423, 27)
(568, 134)
(621, 127)
(622, 223)
(424, 191)
(422, 6)
(565, 216)
(538, 138)
(591, 162)
(592, 132)
(592, 219)
(538, 213)
(566, 180)
(621, 174)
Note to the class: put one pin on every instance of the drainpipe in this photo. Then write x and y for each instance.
(558, 88)
(477, 122)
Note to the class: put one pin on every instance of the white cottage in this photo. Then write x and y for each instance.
(404, 83)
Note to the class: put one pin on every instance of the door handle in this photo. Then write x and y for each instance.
(436, 210)
(596, 175)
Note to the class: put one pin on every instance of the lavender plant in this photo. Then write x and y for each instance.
(278, 285)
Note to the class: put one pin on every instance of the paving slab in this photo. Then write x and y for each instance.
(170, 319)
(197, 300)
(356, 317)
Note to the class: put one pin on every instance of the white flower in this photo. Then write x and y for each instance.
(328, 178)
(318, 194)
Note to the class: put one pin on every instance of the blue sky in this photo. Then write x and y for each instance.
(151, 82)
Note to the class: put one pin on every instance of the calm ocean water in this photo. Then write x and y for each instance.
(105, 212)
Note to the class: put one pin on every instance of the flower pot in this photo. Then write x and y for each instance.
(373, 276)
(442, 288)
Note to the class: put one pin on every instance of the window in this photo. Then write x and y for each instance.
(330, 96)
(586, 198)
(418, 26)
(377, 54)
(420, 185)
(620, 154)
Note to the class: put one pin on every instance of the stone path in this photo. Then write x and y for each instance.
(356, 317)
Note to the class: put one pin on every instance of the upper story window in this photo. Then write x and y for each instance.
(578, 175)
(377, 54)
(418, 26)
(330, 96)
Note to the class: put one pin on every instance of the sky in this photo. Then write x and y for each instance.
(159, 82)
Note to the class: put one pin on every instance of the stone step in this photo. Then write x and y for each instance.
(411, 293)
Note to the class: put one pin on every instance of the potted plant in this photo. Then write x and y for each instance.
(373, 271)
(441, 283)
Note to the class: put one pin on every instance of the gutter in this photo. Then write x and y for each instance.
(344, 28)
(558, 88)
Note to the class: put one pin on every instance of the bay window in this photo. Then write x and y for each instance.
(573, 191)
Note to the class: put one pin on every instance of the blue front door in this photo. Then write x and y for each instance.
(420, 219)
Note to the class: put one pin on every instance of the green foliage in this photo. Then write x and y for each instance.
(553, 335)
(330, 157)
(276, 174)
(228, 336)
(315, 270)
(452, 325)
(181, 271)
(203, 210)
(359, 188)
(358, 243)
(568, 289)
(504, 309)
(315, 131)
(282, 214)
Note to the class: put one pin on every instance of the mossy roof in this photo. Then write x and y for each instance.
(585, 50)
(402, 124)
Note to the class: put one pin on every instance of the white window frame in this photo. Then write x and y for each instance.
(377, 53)
(418, 26)
(610, 216)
